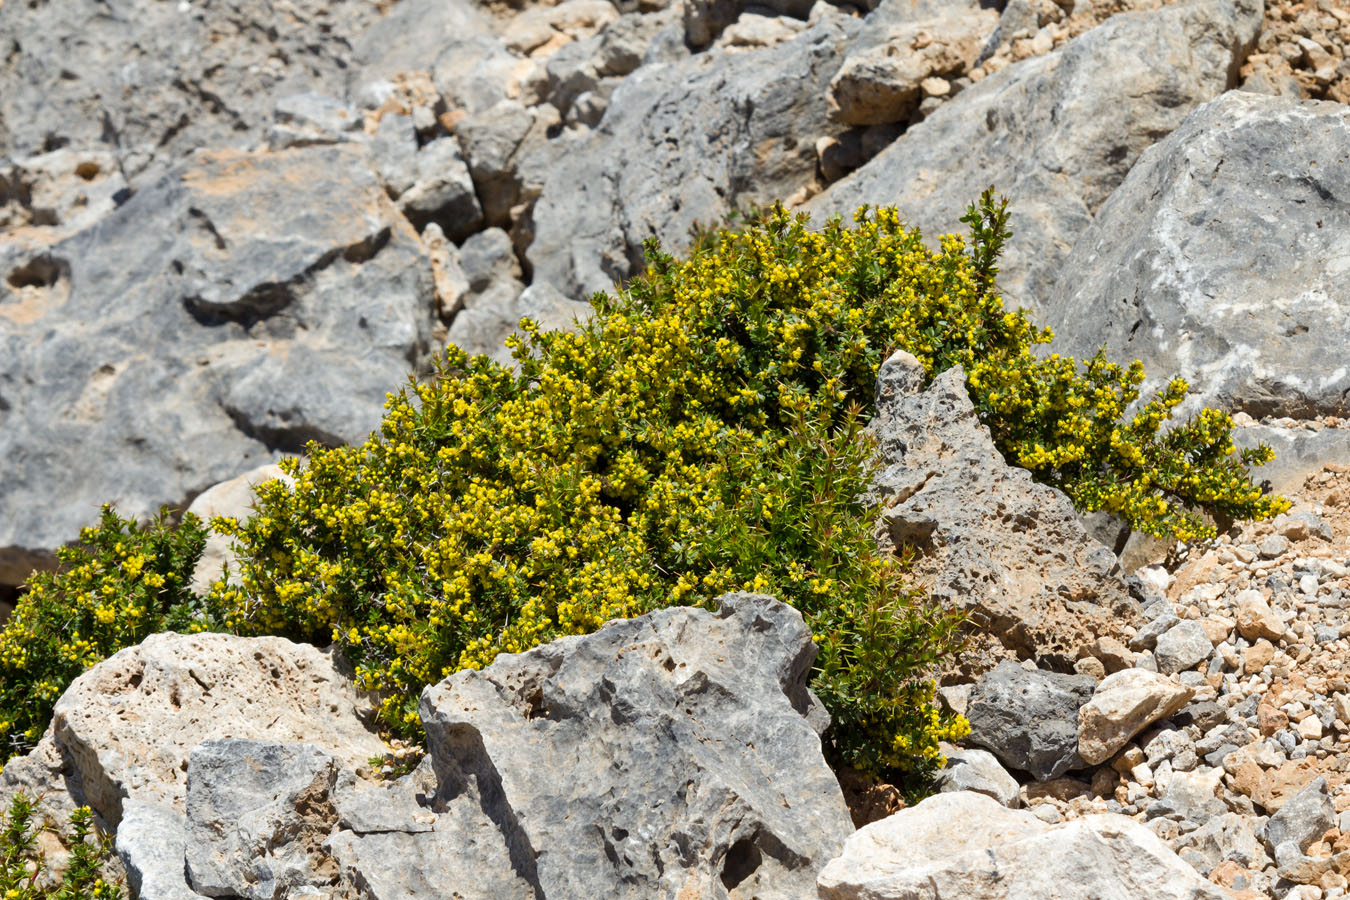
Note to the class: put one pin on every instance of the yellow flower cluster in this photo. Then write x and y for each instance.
(701, 433)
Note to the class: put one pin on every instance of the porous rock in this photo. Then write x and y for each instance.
(1035, 130)
(128, 724)
(1222, 259)
(990, 542)
(964, 845)
(669, 755)
(1029, 718)
(1122, 705)
(204, 326)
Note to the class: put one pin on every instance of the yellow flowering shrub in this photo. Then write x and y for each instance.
(122, 584)
(700, 434)
(25, 872)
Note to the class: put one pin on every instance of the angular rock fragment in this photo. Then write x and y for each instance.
(1124, 704)
(258, 813)
(989, 542)
(1029, 718)
(667, 756)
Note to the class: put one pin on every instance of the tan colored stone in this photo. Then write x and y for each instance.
(1123, 705)
(1257, 657)
(232, 498)
(1255, 618)
(1270, 789)
(1113, 653)
(1270, 719)
(1217, 628)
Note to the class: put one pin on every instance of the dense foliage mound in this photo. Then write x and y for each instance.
(701, 433)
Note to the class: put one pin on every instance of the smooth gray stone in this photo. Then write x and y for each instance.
(1222, 258)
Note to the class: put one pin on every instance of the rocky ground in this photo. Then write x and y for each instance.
(227, 229)
(1221, 724)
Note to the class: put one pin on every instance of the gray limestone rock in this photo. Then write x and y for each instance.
(1029, 718)
(312, 118)
(680, 143)
(393, 149)
(151, 842)
(1035, 130)
(1195, 796)
(443, 192)
(664, 756)
(201, 329)
(485, 326)
(153, 81)
(490, 140)
(412, 35)
(1183, 646)
(1225, 837)
(1222, 258)
(989, 541)
(1304, 818)
(429, 835)
(257, 815)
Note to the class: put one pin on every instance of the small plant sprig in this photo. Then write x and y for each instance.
(25, 872)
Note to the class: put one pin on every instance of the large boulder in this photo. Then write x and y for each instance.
(1223, 258)
(1037, 132)
(234, 310)
(152, 81)
(680, 143)
(668, 756)
(990, 542)
(963, 846)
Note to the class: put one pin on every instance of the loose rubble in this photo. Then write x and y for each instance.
(1239, 760)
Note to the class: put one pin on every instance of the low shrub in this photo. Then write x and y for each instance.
(701, 433)
(27, 874)
(124, 583)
